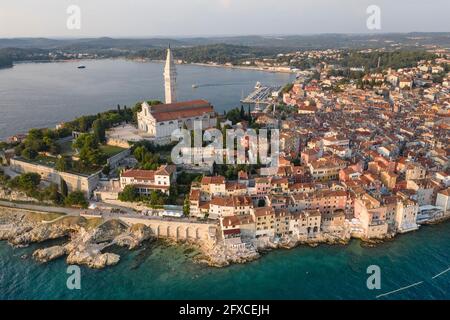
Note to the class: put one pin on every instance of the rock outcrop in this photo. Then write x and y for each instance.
(48, 254)
(221, 255)
(93, 259)
(86, 238)
(134, 236)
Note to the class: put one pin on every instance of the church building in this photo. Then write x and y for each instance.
(159, 121)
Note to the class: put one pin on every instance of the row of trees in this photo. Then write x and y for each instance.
(219, 53)
(89, 151)
(149, 155)
(29, 184)
(40, 140)
(103, 120)
(238, 114)
(156, 198)
(389, 59)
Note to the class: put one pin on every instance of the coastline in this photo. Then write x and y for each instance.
(144, 60)
(21, 227)
(215, 65)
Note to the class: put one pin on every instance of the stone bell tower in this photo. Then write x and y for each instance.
(170, 78)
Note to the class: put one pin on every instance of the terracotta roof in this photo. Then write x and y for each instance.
(213, 180)
(185, 109)
(264, 211)
(139, 174)
(230, 221)
(166, 170)
(233, 201)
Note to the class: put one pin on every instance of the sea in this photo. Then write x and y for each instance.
(38, 95)
(412, 266)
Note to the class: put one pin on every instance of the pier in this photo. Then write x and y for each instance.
(262, 95)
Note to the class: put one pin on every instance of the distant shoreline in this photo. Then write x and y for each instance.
(144, 60)
(202, 64)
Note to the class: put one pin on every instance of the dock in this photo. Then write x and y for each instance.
(261, 95)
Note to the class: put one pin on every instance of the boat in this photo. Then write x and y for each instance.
(81, 67)
(194, 86)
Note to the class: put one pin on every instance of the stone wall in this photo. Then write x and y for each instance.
(74, 182)
(114, 160)
(178, 230)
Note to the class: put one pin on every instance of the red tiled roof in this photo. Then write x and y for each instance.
(185, 109)
(139, 174)
(213, 180)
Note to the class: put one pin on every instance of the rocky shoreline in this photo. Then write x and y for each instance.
(87, 238)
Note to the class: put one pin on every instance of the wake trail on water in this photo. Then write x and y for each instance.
(222, 84)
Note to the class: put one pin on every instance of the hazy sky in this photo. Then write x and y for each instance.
(145, 18)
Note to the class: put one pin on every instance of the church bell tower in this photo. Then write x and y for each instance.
(170, 78)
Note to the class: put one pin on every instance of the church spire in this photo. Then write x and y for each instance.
(170, 78)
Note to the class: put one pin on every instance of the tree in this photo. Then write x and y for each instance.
(85, 140)
(89, 152)
(139, 153)
(99, 130)
(27, 181)
(129, 194)
(52, 193)
(64, 189)
(76, 199)
(242, 112)
(63, 164)
(218, 123)
(157, 198)
(29, 153)
(83, 123)
(261, 203)
(186, 206)
(106, 169)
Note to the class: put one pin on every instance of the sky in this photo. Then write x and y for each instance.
(172, 18)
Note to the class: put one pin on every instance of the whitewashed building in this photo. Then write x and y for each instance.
(159, 121)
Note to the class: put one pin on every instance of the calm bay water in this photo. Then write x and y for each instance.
(41, 95)
(324, 272)
(44, 94)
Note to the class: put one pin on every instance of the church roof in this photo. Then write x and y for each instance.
(185, 109)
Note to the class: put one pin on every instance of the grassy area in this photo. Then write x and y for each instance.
(111, 150)
(38, 217)
(92, 223)
(45, 160)
(42, 160)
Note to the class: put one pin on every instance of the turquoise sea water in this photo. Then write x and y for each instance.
(165, 272)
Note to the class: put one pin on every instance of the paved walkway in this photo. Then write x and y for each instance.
(100, 212)
(40, 208)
